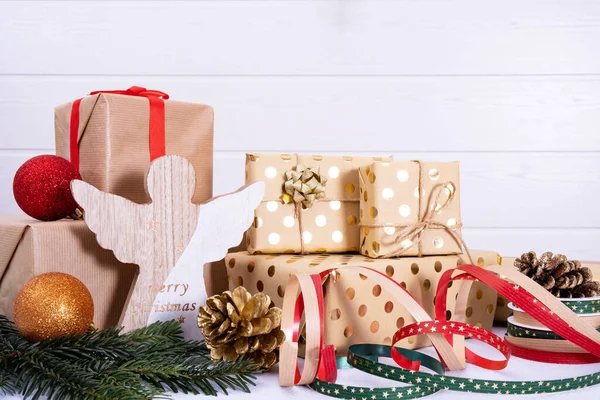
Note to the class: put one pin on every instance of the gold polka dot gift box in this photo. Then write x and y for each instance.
(310, 205)
(410, 208)
(357, 310)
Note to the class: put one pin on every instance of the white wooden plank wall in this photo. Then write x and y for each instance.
(511, 88)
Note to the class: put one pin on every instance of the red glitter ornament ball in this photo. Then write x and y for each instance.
(42, 187)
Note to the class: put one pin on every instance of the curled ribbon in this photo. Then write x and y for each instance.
(444, 334)
(408, 236)
(156, 125)
(533, 299)
(319, 359)
(310, 285)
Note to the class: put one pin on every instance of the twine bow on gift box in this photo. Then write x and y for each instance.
(408, 236)
(156, 128)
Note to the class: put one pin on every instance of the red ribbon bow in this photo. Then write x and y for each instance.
(156, 125)
(135, 91)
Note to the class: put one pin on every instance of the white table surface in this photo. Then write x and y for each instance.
(517, 370)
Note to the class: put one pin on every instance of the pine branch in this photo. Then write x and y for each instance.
(7, 385)
(189, 376)
(234, 376)
(107, 343)
(41, 375)
(157, 332)
(106, 365)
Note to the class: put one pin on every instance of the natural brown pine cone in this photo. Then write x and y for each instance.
(549, 263)
(236, 324)
(561, 277)
(587, 289)
(527, 263)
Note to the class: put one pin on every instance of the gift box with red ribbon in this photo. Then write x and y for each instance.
(112, 136)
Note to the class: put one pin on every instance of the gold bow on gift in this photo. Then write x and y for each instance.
(303, 186)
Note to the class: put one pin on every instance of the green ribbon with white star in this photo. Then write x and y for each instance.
(388, 393)
(360, 357)
(526, 332)
(583, 306)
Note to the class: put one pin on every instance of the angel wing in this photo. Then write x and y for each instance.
(104, 215)
(221, 225)
(223, 221)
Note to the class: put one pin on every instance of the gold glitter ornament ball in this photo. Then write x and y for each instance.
(53, 305)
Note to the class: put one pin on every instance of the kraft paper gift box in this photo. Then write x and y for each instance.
(356, 309)
(397, 218)
(29, 248)
(117, 136)
(330, 224)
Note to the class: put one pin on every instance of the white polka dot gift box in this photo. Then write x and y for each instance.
(410, 208)
(358, 310)
(310, 205)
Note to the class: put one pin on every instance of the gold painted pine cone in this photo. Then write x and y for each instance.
(236, 324)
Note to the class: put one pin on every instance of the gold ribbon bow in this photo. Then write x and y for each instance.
(303, 185)
(407, 236)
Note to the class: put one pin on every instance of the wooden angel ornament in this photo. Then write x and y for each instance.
(170, 239)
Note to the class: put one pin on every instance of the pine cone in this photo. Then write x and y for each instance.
(587, 289)
(527, 263)
(561, 277)
(236, 324)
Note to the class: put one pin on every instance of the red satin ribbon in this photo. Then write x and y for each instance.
(156, 125)
(524, 300)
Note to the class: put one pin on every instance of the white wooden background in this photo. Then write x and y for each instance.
(510, 88)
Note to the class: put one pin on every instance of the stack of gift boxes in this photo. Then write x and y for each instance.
(111, 138)
(401, 218)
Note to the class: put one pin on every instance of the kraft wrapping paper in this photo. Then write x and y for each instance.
(330, 225)
(29, 248)
(356, 309)
(114, 142)
(389, 195)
